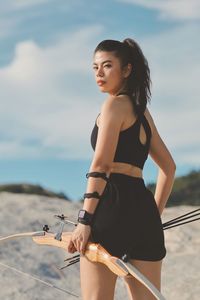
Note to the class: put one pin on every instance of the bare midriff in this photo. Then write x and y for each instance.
(126, 169)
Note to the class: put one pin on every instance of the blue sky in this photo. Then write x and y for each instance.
(49, 100)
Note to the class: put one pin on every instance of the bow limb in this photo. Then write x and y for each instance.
(24, 234)
(141, 278)
(96, 253)
(42, 238)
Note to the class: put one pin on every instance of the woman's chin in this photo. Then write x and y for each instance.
(103, 90)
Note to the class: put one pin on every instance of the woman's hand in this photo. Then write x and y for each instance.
(79, 238)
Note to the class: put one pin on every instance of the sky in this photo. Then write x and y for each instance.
(49, 99)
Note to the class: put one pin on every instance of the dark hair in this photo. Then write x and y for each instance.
(138, 82)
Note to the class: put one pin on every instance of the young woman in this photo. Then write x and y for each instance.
(119, 212)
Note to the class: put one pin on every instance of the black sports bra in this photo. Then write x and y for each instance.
(129, 148)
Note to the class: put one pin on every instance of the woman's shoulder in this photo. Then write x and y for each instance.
(117, 104)
(115, 108)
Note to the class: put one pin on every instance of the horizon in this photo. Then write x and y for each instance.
(53, 186)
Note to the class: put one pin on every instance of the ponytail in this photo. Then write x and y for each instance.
(139, 82)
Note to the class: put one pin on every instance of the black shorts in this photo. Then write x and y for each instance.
(135, 228)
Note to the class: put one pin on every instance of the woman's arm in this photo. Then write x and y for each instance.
(112, 116)
(162, 157)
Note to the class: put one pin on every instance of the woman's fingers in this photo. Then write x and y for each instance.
(71, 248)
(80, 246)
(79, 239)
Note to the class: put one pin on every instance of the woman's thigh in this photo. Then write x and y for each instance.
(97, 281)
(150, 269)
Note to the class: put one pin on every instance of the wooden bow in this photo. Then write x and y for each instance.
(95, 253)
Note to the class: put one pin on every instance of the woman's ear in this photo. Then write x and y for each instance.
(127, 70)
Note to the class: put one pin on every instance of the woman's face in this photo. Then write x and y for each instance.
(108, 72)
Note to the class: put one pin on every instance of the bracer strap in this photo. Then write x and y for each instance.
(92, 195)
(98, 175)
(95, 175)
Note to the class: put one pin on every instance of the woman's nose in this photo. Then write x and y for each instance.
(99, 72)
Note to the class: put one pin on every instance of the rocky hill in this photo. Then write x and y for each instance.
(26, 188)
(186, 190)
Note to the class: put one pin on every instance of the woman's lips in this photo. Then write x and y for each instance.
(101, 82)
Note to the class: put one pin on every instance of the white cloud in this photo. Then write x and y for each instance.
(42, 99)
(10, 5)
(49, 108)
(22, 5)
(174, 58)
(16, 17)
(173, 9)
(14, 149)
(27, 3)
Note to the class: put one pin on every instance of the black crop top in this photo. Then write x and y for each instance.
(129, 148)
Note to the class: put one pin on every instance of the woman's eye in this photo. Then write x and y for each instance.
(95, 68)
(107, 66)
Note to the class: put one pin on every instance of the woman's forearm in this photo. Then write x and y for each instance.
(164, 186)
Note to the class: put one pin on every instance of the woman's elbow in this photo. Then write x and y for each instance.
(170, 168)
(100, 167)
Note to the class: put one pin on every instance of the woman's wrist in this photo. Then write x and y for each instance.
(84, 217)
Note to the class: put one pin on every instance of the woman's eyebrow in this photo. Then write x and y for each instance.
(105, 61)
